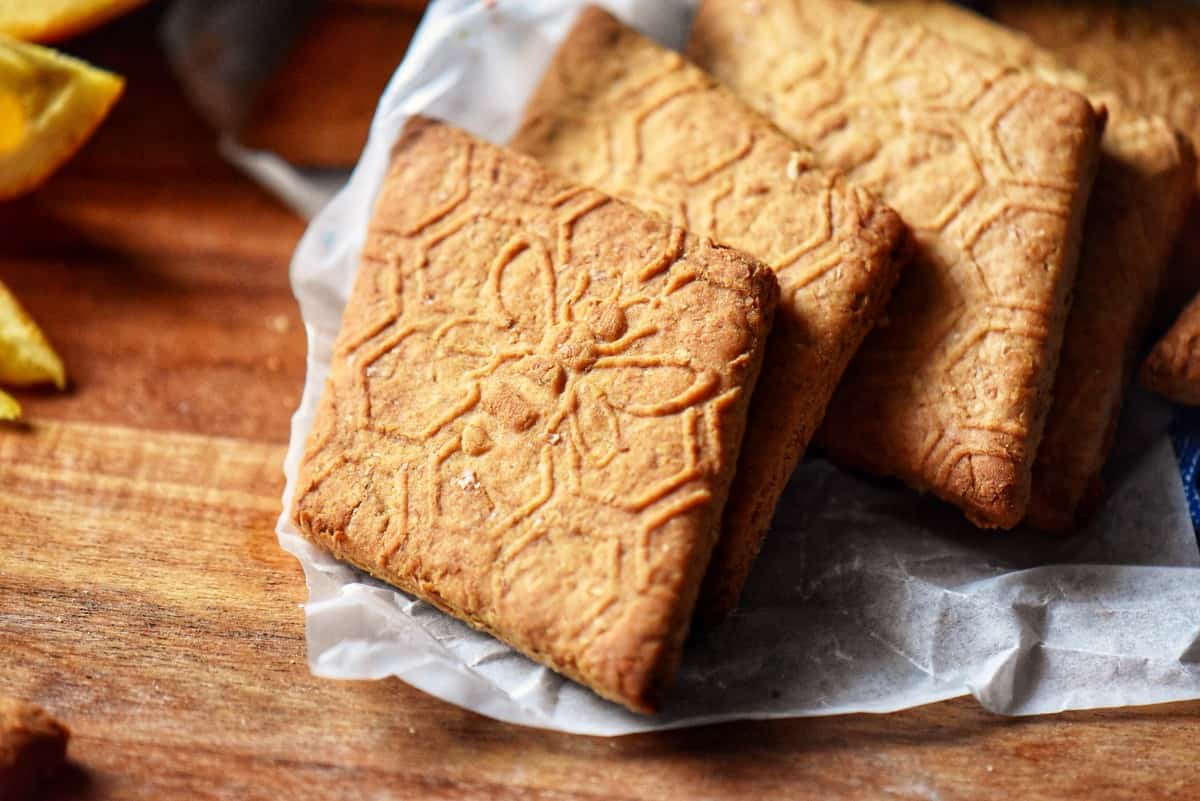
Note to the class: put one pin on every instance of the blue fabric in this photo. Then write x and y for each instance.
(1185, 436)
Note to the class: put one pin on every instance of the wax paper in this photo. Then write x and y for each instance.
(866, 598)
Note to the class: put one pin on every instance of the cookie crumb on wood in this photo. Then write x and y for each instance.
(32, 747)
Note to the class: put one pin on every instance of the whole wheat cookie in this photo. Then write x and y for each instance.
(617, 111)
(1143, 189)
(1173, 368)
(32, 747)
(1148, 51)
(991, 170)
(534, 409)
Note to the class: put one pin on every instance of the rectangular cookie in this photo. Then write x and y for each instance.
(1149, 53)
(619, 112)
(1173, 368)
(991, 170)
(534, 409)
(1143, 188)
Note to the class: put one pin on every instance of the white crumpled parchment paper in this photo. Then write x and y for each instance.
(866, 598)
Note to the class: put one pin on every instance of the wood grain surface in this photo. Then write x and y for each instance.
(144, 600)
(315, 74)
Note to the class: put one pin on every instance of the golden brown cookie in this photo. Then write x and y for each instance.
(1149, 52)
(991, 170)
(32, 747)
(616, 111)
(1142, 192)
(1173, 368)
(535, 408)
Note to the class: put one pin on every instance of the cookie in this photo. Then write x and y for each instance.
(1149, 53)
(991, 170)
(32, 747)
(535, 408)
(1138, 204)
(1173, 368)
(616, 111)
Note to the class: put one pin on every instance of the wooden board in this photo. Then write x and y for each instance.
(144, 599)
(315, 74)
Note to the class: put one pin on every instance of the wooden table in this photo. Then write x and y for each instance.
(143, 597)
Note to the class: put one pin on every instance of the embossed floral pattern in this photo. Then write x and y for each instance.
(547, 383)
(534, 406)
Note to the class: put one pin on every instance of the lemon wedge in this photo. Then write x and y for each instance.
(9, 408)
(26, 357)
(49, 105)
(54, 20)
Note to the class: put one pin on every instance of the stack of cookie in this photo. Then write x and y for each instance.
(575, 374)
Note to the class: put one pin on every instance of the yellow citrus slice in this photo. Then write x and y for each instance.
(26, 357)
(54, 20)
(9, 408)
(49, 105)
